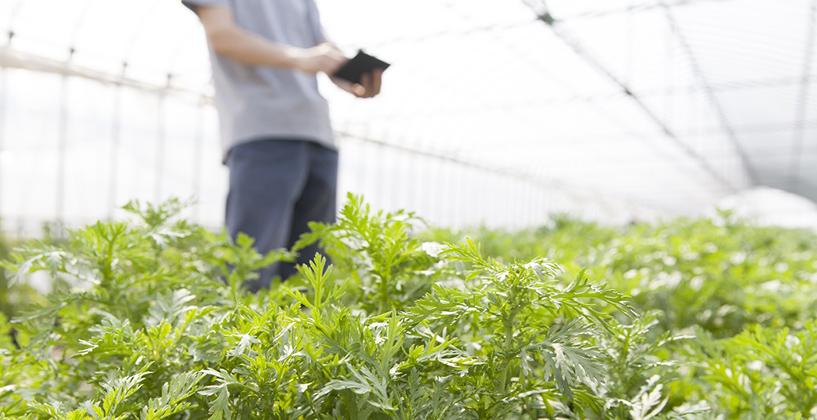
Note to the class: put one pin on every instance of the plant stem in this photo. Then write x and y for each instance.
(508, 323)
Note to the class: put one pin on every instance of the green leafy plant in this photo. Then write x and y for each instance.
(152, 322)
(387, 266)
(149, 319)
(762, 373)
(721, 274)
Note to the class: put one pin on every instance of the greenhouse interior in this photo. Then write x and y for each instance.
(542, 209)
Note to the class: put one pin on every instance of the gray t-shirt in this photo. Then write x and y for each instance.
(256, 102)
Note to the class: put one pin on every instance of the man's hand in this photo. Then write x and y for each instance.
(369, 86)
(324, 58)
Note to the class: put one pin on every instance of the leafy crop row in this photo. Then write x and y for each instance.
(149, 321)
(745, 293)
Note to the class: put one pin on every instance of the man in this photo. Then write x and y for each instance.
(276, 134)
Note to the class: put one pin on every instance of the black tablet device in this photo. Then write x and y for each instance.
(361, 64)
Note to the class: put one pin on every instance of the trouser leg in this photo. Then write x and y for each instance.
(266, 180)
(317, 202)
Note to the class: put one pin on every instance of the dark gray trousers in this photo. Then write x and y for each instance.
(278, 186)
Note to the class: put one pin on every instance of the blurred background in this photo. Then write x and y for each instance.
(495, 112)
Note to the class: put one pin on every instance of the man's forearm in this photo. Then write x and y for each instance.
(248, 48)
(230, 40)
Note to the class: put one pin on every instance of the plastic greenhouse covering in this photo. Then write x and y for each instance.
(494, 111)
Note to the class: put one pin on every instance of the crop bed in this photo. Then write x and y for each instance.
(694, 319)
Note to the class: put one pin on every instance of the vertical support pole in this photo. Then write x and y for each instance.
(531, 198)
(160, 149)
(3, 111)
(487, 206)
(516, 189)
(116, 134)
(397, 172)
(62, 145)
(472, 188)
(498, 212)
(439, 191)
(462, 194)
(449, 194)
(479, 202)
(504, 184)
(523, 190)
(198, 158)
(408, 175)
(512, 187)
(415, 166)
(529, 205)
(536, 200)
(379, 169)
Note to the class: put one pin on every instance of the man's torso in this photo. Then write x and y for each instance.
(260, 102)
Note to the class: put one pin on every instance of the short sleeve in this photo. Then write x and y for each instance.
(315, 22)
(193, 4)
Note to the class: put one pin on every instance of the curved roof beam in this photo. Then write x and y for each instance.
(139, 29)
(544, 15)
(635, 9)
(184, 42)
(710, 94)
(78, 26)
(494, 31)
